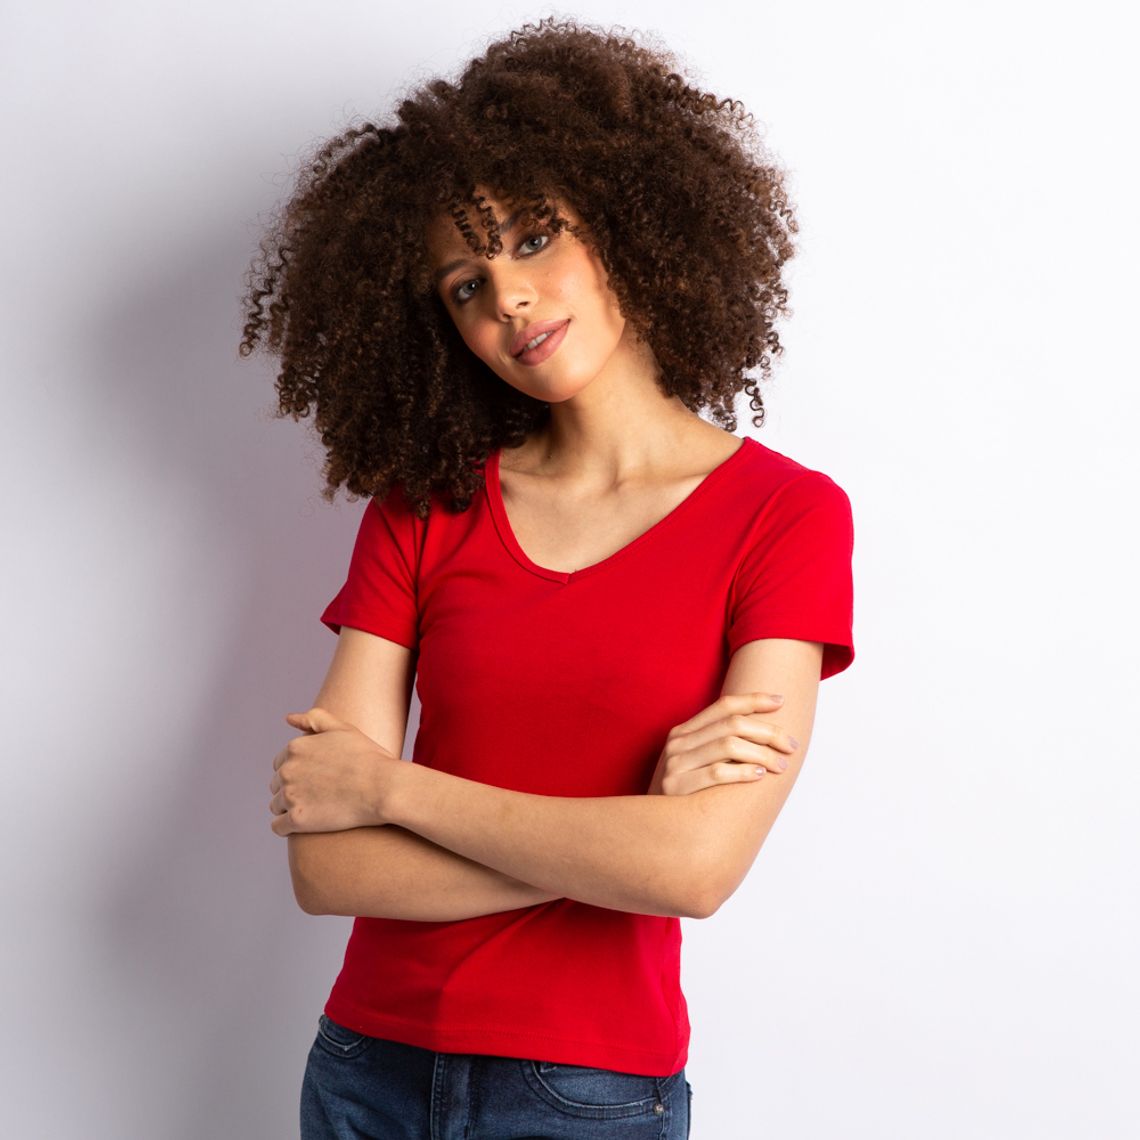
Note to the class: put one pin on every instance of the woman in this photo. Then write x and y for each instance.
(507, 310)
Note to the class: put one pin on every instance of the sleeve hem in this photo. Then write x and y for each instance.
(369, 623)
(838, 652)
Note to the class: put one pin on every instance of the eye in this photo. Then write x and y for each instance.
(460, 296)
(462, 293)
(525, 243)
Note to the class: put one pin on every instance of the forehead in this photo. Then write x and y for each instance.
(444, 239)
(445, 242)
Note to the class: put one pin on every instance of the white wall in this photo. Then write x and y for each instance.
(935, 938)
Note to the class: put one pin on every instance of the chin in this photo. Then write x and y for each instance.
(545, 395)
(555, 391)
(558, 392)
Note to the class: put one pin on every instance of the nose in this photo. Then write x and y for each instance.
(514, 291)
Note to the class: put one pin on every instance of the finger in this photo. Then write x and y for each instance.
(275, 783)
(751, 727)
(716, 748)
(759, 754)
(746, 727)
(299, 721)
(281, 825)
(765, 732)
(711, 775)
(295, 750)
(729, 704)
(321, 720)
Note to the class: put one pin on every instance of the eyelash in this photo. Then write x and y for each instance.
(459, 299)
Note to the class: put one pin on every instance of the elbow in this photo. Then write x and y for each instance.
(704, 909)
(715, 864)
(305, 890)
(703, 901)
(308, 897)
(308, 900)
(711, 881)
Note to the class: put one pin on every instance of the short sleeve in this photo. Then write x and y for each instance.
(795, 578)
(379, 594)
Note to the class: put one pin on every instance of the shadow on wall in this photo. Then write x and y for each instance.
(212, 976)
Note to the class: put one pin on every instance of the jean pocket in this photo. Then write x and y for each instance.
(593, 1093)
(339, 1040)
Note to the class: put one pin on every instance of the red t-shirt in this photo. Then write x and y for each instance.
(566, 684)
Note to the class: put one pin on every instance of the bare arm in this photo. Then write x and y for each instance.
(677, 855)
(387, 872)
(666, 855)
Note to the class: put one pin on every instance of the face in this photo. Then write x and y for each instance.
(539, 282)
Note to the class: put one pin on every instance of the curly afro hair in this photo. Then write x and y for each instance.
(687, 212)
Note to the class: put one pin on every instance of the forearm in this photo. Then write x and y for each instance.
(643, 854)
(387, 872)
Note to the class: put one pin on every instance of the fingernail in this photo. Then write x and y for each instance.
(794, 742)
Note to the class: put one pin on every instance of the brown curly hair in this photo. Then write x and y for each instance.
(687, 212)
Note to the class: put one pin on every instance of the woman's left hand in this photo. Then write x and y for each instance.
(725, 743)
(332, 779)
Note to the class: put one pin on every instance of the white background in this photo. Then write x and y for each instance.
(939, 938)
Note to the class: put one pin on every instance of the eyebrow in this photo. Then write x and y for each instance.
(444, 270)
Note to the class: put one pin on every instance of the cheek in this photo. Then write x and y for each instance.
(606, 311)
(581, 285)
(476, 334)
(593, 280)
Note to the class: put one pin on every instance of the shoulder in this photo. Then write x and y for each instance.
(396, 506)
(771, 483)
(389, 520)
(392, 517)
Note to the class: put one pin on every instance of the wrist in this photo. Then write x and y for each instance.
(396, 792)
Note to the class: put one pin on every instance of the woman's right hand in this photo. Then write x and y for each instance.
(726, 743)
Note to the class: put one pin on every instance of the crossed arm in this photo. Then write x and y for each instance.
(454, 848)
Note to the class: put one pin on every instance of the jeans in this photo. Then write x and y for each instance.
(357, 1086)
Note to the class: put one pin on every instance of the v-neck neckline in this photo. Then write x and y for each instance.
(507, 535)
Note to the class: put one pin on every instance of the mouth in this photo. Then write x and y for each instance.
(548, 342)
(541, 331)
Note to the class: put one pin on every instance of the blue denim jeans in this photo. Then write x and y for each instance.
(357, 1086)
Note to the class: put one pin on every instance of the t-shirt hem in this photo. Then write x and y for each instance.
(503, 1042)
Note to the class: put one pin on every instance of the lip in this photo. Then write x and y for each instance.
(530, 357)
(533, 330)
